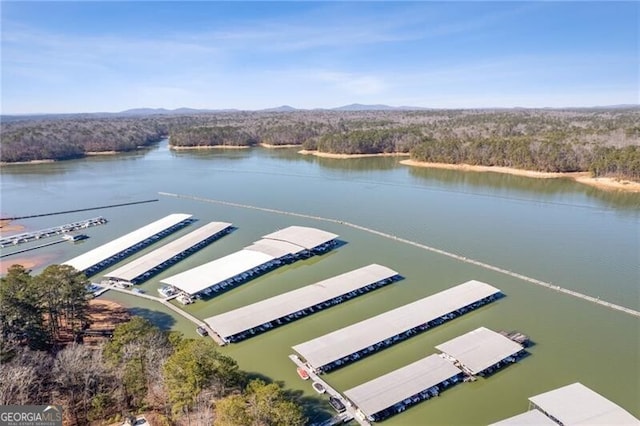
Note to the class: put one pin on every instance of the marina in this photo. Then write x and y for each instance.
(27, 237)
(163, 257)
(552, 230)
(249, 320)
(106, 255)
(346, 345)
(574, 404)
(394, 392)
(273, 250)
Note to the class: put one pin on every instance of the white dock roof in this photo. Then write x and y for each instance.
(275, 248)
(385, 391)
(340, 343)
(576, 404)
(256, 314)
(302, 236)
(201, 277)
(530, 418)
(110, 249)
(150, 260)
(479, 349)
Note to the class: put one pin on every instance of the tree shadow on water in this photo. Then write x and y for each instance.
(160, 319)
(315, 408)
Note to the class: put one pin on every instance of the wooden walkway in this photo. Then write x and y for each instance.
(535, 281)
(166, 302)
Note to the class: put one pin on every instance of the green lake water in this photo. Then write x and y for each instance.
(553, 230)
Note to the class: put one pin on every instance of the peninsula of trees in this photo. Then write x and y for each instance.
(605, 142)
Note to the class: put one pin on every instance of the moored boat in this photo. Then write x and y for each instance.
(318, 387)
(337, 404)
(303, 373)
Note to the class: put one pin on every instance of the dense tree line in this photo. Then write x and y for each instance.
(549, 140)
(212, 136)
(38, 311)
(366, 141)
(73, 138)
(141, 368)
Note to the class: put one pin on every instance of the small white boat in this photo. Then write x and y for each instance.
(318, 387)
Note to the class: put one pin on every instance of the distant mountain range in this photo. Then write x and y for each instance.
(282, 108)
(138, 112)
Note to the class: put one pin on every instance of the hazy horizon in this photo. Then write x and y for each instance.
(60, 57)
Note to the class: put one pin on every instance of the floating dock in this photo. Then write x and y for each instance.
(152, 263)
(348, 344)
(27, 237)
(106, 255)
(285, 246)
(256, 318)
(394, 392)
(574, 404)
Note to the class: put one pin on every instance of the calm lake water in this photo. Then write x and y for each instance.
(554, 230)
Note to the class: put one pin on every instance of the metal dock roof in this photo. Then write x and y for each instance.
(247, 317)
(385, 391)
(275, 248)
(340, 343)
(110, 249)
(576, 404)
(479, 349)
(149, 261)
(291, 240)
(533, 418)
(201, 277)
(302, 236)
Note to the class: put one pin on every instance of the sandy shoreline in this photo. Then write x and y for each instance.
(94, 153)
(190, 148)
(347, 156)
(580, 177)
(4, 163)
(12, 228)
(271, 146)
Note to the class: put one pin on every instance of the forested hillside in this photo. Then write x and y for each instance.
(172, 379)
(603, 141)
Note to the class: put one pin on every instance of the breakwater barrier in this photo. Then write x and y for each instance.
(484, 265)
(78, 210)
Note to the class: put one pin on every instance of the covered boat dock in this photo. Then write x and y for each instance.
(258, 317)
(152, 263)
(393, 392)
(273, 250)
(106, 255)
(481, 351)
(576, 404)
(348, 344)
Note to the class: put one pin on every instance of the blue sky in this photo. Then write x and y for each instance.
(111, 56)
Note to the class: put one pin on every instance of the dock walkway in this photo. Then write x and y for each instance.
(166, 302)
(329, 390)
(535, 281)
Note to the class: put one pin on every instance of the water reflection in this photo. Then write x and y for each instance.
(504, 183)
